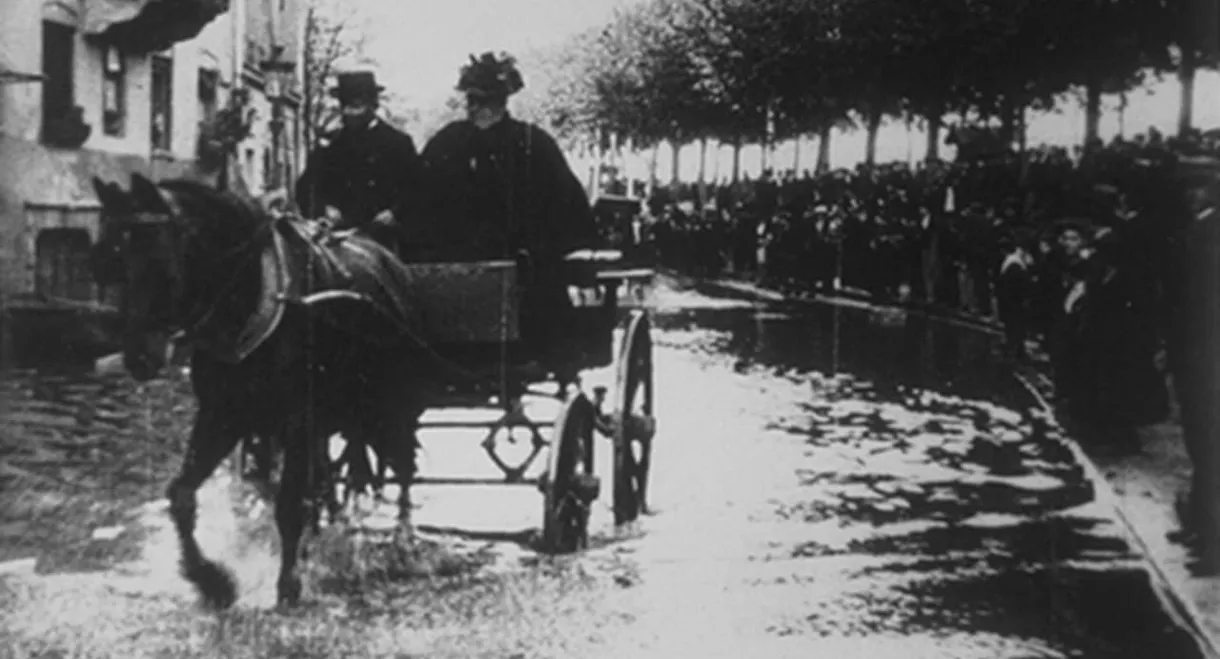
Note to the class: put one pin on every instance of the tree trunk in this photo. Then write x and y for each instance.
(934, 125)
(1122, 114)
(796, 155)
(702, 175)
(1092, 112)
(1022, 126)
(768, 145)
(629, 159)
(736, 160)
(870, 145)
(1022, 130)
(652, 169)
(702, 160)
(1186, 77)
(595, 169)
(823, 165)
(675, 170)
(1008, 122)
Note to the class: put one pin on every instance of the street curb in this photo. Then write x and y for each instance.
(1180, 607)
(843, 299)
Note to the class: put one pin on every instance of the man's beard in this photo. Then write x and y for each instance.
(357, 122)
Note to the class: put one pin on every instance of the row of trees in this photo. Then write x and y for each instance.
(757, 71)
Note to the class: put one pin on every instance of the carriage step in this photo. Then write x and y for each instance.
(474, 481)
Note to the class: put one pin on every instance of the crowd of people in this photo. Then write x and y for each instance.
(1085, 254)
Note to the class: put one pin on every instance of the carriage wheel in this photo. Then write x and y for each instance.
(570, 486)
(635, 424)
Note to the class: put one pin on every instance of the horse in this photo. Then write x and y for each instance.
(292, 340)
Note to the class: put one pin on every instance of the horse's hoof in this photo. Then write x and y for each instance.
(216, 585)
(404, 536)
(289, 592)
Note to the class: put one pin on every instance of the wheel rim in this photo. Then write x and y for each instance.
(566, 515)
(633, 450)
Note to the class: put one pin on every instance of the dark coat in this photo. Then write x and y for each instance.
(496, 191)
(361, 173)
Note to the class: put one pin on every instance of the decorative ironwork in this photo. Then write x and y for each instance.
(514, 418)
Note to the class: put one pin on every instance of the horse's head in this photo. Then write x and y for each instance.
(141, 245)
(187, 257)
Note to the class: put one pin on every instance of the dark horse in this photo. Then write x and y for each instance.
(291, 339)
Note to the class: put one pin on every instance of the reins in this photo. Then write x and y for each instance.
(204, 311)
(192, 329)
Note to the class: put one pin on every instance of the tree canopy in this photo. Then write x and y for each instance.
(745, 70)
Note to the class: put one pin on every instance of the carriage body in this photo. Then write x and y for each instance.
(471, 316)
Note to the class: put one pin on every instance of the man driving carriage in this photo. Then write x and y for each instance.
(365, 174)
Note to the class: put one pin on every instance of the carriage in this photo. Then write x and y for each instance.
(471, 315)
(621, 222)
(306, 334)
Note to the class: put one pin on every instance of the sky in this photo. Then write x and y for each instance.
(419, 46)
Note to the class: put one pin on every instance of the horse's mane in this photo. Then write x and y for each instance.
(211, 204)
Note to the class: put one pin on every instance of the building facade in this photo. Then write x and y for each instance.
(105, 88)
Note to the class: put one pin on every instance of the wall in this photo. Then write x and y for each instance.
(33, 174)
(58, 181)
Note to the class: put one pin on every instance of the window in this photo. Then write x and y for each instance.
(62, 264)
(161, 124)
(209, 81)
(58, 94)
(114, 91)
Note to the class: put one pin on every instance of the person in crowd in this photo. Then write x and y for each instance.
(1121, 388)
(1069, 350)
(1014, 293)
(1192, 324)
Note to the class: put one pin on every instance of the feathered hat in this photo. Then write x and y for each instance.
(491, 76)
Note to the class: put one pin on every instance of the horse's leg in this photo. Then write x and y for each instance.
(399, 447)
(212, 439)
(379, 481)
(332, 476)
(292, 509)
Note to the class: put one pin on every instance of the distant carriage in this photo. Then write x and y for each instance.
(626, 226)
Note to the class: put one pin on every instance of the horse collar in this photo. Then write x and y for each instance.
(268, 313)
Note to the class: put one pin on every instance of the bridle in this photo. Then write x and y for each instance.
(192, 324)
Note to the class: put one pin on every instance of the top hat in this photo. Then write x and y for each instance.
(490, 76)
(356, 85)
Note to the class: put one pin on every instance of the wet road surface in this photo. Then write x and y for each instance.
(826, 483)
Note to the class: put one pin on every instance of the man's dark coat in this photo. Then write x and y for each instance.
(361, 172)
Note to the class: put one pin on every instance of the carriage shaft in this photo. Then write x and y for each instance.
(474, 481)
